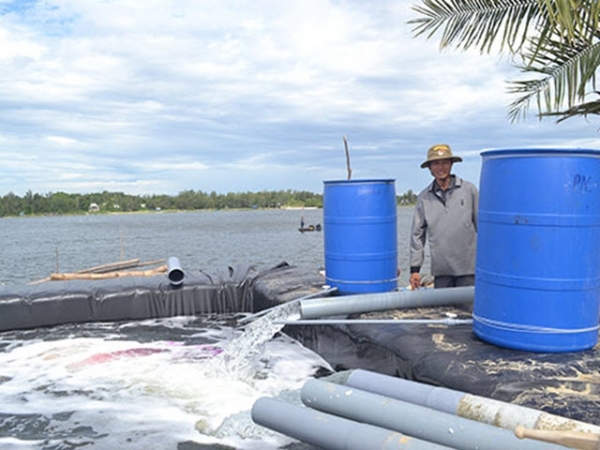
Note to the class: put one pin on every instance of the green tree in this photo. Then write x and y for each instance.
(62, 203)
(11, 205)
(408, 198)
(29, 201)
(556, 41)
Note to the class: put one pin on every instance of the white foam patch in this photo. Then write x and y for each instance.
(128, 394)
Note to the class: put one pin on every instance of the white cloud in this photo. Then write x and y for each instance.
(164, 96)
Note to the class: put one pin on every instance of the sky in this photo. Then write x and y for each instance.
(164, 96)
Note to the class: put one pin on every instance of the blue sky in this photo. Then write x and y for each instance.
(157, 97)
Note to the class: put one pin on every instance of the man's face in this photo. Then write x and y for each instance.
(440, 169)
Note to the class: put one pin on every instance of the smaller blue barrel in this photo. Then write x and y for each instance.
(537, 277)
(360, 235)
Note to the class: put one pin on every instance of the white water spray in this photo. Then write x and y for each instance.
(240, 356)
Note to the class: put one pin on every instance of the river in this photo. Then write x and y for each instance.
(35, 247)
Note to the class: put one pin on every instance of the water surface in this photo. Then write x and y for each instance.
(35, 247)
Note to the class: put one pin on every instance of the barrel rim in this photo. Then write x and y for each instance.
(365, 181)
(538, 151)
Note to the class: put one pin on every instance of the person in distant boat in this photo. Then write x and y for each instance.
(302, 223)
(445, 217)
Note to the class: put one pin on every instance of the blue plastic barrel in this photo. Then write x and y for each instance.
(537, 278)
(360, 235)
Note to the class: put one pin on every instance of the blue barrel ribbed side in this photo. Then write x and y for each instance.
(360, 235)
(537, 281)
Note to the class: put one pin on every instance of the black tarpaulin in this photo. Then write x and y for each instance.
(566, 384)
(134, 298)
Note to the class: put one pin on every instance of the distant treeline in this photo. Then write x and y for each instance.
(107, 202)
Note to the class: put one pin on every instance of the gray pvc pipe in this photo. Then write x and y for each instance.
(439, 398)
(374, 321)
(174, 271)
(486, 410)
(414, 420)
(352, 304)
(330, 432)
(322, 293)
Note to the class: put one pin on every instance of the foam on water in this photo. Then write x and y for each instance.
(135, 385)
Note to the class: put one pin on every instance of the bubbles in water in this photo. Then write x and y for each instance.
(147, 384)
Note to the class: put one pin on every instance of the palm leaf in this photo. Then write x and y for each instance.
(557, 39)
(568, 73)
(481, 23)
(468, 23)
(583, 109)
(573, 19)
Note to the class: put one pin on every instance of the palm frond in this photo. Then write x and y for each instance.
(584, 109)
(572, 19)
(557, 39)
(568, 72)
(468, 23)
(482, 23)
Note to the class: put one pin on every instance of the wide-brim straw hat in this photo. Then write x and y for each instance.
(440, 151)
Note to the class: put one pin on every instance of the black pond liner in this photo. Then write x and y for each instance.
(566, 384)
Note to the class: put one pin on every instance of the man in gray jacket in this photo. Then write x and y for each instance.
(446, 217)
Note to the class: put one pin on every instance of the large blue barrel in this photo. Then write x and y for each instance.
(537, 279)
(361, 238)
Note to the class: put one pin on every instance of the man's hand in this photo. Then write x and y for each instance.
(415, 280)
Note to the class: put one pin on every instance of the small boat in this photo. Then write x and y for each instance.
(316, 227)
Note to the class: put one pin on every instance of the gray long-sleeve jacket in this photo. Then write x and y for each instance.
(450, 227)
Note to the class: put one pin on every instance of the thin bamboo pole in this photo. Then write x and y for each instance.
(102, 276)
(111, 266)
(104, 268)
(120, 265)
